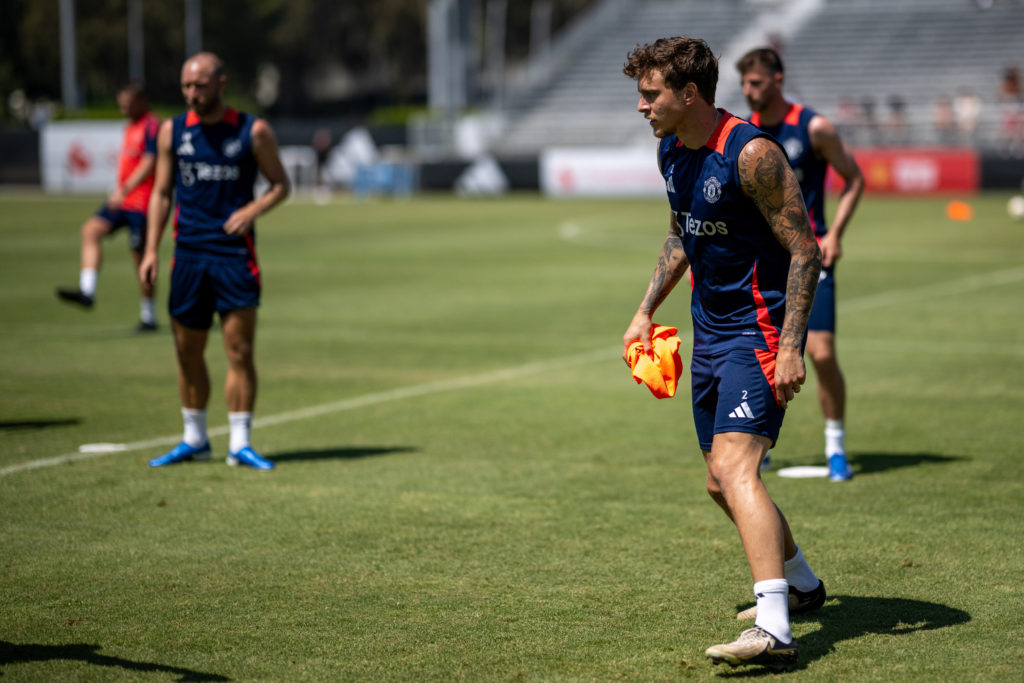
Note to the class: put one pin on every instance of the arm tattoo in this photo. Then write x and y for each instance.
(767, 179)
(671, 265)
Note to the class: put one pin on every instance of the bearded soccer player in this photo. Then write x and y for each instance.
(812, 144)
(126, 205)
(209, 156)
(738, 221)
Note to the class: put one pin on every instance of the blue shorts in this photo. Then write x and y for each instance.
(202, 284)
(135, 220)
(823, 310)
(733, 392)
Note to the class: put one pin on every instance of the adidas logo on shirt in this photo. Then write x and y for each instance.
(742, 411)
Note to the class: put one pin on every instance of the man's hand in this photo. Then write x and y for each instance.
(640, 329)
(790, 374)
(116, 198)
(148, 268)
(831, 249)
(240, 222)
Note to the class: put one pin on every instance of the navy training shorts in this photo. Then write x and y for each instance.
(201, 285)
(823, 310)
(135, 220)
(733, 392)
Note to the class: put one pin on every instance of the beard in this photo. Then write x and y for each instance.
(204, 107)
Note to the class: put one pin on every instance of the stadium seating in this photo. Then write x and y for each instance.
(589, 101)
(914, 49)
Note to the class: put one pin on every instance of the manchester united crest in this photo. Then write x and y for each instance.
(712, 190)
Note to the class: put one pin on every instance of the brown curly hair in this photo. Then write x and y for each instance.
(680, 60)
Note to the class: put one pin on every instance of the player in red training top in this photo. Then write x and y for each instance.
(126, 204)
(812, 145)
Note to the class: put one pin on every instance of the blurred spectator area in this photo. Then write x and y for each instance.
(916, 50)
(878, 68)
(890, 73)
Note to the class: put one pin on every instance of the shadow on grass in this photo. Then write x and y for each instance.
(867, 463)
(19, 425)
(846, 617)
(870, 463)
(105, 333)
(348, 453)
(11, 653)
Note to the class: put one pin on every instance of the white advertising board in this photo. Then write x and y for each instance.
(601, 172)
(80, 156)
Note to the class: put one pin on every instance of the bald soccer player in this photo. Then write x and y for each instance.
(210, 156)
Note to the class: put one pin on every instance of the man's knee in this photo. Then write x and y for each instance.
(712, 486)
(239, 351)
(189, 344)
(723, 478)
(239, 329)
(735, 462)
(95, 229)
(821, 347)
(238, 346)
(716, 494)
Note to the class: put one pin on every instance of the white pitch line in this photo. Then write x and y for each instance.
(972, 283)
(996, 278)
(397, 394)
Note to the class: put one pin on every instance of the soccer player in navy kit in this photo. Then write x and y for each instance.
(210, 156)
(812, 144)
(738, 220)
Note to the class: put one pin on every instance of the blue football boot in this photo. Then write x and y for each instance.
(182, 453)
(838, 470)
(250, 458)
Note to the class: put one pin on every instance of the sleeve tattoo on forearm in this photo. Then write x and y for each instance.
(766, 178)
(671, 265)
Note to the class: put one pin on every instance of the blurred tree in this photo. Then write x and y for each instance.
(331, 55)
(241, 32)
(329, 51)
(30, 48)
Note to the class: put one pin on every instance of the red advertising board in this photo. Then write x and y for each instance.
(916, 170)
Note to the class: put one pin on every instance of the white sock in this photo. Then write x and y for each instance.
(87, 281)
(799, 574)
(147, 310)
(835, 437)
(773, 608)
(195, 427)
(241, 425)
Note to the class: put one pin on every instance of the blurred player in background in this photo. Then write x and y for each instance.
(738, 221)
(126, 205)
(210, 156)
(812, 144)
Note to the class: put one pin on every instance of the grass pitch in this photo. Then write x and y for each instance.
(470, 486)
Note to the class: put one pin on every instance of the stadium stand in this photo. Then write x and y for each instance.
(916, 50)
(893, 54)
(588, 101)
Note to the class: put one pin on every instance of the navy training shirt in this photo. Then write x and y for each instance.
(214, 174)
(792, 133)
(738, 267)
